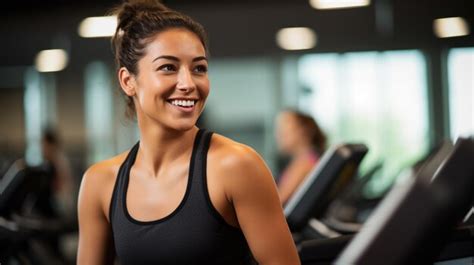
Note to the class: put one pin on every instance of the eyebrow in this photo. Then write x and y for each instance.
(173, 58)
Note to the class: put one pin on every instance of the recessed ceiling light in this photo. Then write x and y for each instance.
(93, 27)
(334, 4)
(51, 60)
(297, 38)
(450, 27)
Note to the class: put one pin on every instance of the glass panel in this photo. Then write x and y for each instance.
(461, 91)
(374, 98)
(40, 111)
(99, 109)
(243, 99)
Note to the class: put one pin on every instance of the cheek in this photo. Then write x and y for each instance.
(204, 88)
(282, 136)
(290, 136)
(145, 96)
(146, 100)
(153, 87)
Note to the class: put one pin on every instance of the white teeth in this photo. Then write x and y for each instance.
(184, 103)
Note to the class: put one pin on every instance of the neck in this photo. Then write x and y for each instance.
(161, 146)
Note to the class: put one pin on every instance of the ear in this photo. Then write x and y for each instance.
(127, 81)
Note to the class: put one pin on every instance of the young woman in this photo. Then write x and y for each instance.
(299, 137)
(181, 195)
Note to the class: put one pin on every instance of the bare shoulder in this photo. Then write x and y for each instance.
(227, 154)
(104, 171)
(98, 182)
(238, 167)
(242, 172)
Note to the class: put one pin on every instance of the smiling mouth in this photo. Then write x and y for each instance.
(183, 103)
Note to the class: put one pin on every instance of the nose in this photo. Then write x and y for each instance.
(185, 81)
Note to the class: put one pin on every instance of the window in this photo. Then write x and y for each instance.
(375, 98)
(461, 91)
(40, 111)
(99, 111)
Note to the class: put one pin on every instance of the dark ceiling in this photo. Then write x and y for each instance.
(236, 27)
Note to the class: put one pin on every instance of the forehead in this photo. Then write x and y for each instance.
(287, 116)
(288, 119)
(177, 42)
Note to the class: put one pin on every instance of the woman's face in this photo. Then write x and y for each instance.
(289, 133)
(172, 85)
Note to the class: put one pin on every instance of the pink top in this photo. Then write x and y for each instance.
(312, 157)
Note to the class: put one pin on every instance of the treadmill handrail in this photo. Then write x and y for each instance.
(313, 174)
(334, 171)
(438, 203)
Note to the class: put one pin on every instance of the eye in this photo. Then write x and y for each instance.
(200, 68)
(167, 68)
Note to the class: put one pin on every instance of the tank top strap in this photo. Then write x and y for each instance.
(120, 182)
(198, 165)
(199, 197)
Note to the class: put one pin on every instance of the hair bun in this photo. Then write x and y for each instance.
(146, 5)
(133, 8)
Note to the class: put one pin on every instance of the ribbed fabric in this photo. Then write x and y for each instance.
(194, 233)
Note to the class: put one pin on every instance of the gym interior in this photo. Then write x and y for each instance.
(390, 82)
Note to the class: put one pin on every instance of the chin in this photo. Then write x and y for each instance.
(182, 125)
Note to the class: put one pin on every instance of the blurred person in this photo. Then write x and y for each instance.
(181, 195)
(62, 183)
(300, 138)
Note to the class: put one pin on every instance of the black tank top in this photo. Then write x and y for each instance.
(194, 233)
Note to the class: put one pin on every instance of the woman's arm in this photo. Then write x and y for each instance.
(95, 236)
(253, 193)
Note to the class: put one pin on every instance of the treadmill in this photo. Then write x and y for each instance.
(325, 182)
(25, 231)
(414, 223)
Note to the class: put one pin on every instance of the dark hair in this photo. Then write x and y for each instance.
(138, 21)
(312, 129)
(50, 136)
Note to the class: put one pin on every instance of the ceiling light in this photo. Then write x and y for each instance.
(450, 27)
(333, 4)
(51, 60)
(93, 27)
(298, 38)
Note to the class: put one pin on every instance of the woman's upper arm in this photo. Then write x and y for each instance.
(95, 236)
(259, 212)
